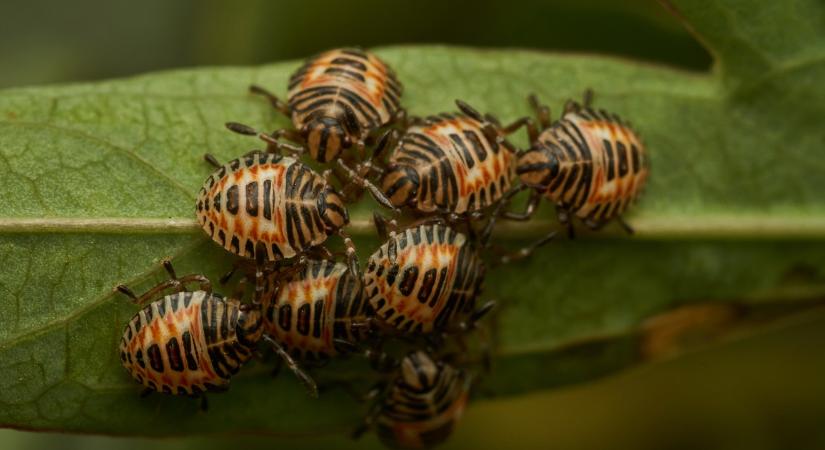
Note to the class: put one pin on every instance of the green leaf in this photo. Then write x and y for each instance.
(99, 183)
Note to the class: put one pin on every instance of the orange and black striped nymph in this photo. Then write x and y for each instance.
(589, 163)
(193, 342)
(264, 202)
(308, 312)
(425, 279)
(452, 163)
(337, 99)
(423, 405)
(189, 343)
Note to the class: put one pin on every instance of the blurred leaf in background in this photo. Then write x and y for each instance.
(44, 41)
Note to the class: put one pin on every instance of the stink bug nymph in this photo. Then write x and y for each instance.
(336, 100)
(420, 405)
(192, 342)
(451, 164)
(272, 204)
(425, 279)
(315, 310)
(589, 163)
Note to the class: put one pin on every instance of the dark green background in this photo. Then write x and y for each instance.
(765, 392)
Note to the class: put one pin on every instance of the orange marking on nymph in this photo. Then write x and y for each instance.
(326, 335)
(496, 165)
(279, 226)
(619, 193)
(486, 176)
(171, 323)
(238, 228)
(598, 182)
(380, 86)
(197, 337)
(154, 327)
(461, 178)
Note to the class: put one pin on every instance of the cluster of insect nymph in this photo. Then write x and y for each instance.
(443, 180)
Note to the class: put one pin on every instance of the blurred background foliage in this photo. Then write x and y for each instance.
(44, 41)
(763, 392)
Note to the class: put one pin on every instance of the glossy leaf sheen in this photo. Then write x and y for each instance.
(91, 172)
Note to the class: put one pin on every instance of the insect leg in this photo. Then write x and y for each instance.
(532, 131)
(174, 283)
(364, 183)
(625, 225)
(203, 283)
(273, 99)
(387, 140)
(529, 210)
(480, 313)
(383, 225)
(401, 118)
(564, 218)
(273, 145)
(225, 277)
(352, 256)
(542, 114)
(320, 252)
(288, 134)
(526, 251)
(306, 380)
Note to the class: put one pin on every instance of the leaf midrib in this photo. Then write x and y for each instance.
(694, 226)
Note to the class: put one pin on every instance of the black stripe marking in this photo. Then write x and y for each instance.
(438, 290)
(427, 284)
(252, 198)
(316, 326)
(634, 152)
(232, 199)
(302, 325)
(155, 358)
(408, 280)
(478, 146)
(191, 362)
(345, 73)
(392, 274)
(459, 145)
(351, 63)
(608, 149)
(621, 152)
(161, 305)
(268, 199)
(173, 354)
(285, 317)
(139, 358)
